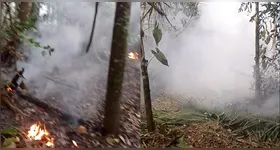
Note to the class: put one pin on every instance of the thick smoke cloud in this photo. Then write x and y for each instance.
(75, 76)
(212, 59)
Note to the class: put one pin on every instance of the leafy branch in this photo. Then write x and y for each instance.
(157, 34)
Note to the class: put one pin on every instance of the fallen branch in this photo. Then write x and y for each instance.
(59, 82)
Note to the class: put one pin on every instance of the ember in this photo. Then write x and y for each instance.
(42, 135)
(75, 144)
(133, 55)
(9, 89)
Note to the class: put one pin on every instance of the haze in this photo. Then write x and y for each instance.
(213, 59)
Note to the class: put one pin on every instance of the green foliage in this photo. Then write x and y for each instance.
(16, 28)
(160, 57)
(9, 141)
(268, 15)
(182, 142)
(240, 125)
(10, 131)
(157, 34)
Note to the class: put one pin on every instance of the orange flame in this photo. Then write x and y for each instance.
(133, 55)
(75, 144)
(9, 89)
(37, 133)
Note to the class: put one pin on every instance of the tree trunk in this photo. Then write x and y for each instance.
(146, 88)
(257, 55)
(24, 11)
(116, 69)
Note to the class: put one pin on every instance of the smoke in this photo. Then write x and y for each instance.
(70, 78)
(212, 59)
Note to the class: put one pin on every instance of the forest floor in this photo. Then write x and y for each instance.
(185, 127)
(15, 127)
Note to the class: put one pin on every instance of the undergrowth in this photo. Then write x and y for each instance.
(241, 126)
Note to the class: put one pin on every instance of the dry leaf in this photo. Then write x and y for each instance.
(81, 129)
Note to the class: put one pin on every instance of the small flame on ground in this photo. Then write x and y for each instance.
(9, 89)
(37, 133)
(133, 55)
(75, 144)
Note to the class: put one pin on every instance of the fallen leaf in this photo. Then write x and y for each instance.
(81, 129)
(109, 140)
(9, 141)
(12, 145)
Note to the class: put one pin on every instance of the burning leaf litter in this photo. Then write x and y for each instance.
(133, 55)
(37, 133)
(9, 89)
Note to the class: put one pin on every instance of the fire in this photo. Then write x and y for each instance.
(9, 89)
(75, 144)
(38, 133)
(133, 55)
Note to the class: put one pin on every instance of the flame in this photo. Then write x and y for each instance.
(9, 89)
(37, 133)
(133, 55)
(75, 144)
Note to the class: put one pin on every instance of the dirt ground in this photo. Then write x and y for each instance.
(63, 132)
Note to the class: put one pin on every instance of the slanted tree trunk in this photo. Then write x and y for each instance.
(116, 69)
(257, 56)
(146, 88)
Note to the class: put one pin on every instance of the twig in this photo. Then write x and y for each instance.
(150, 60)
(59, 82)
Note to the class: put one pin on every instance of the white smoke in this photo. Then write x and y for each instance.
(69, 75)
(211, 59)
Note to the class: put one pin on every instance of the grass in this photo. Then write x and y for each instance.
(193, 126)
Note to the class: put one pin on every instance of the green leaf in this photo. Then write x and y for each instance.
(36, 44)
(9, 141)
(160, 57)
(157, 34)
(10, 131)
(181, 142)
(31, 40)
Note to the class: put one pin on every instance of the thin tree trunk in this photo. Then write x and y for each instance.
(257, 55)
(116, 69)
(146, 88)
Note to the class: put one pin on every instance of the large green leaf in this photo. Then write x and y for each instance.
(160, 57)
(157, 34)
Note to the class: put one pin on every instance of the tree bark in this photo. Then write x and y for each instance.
(257, 55)
(116, 69)
(24, 11)
(146, 88)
